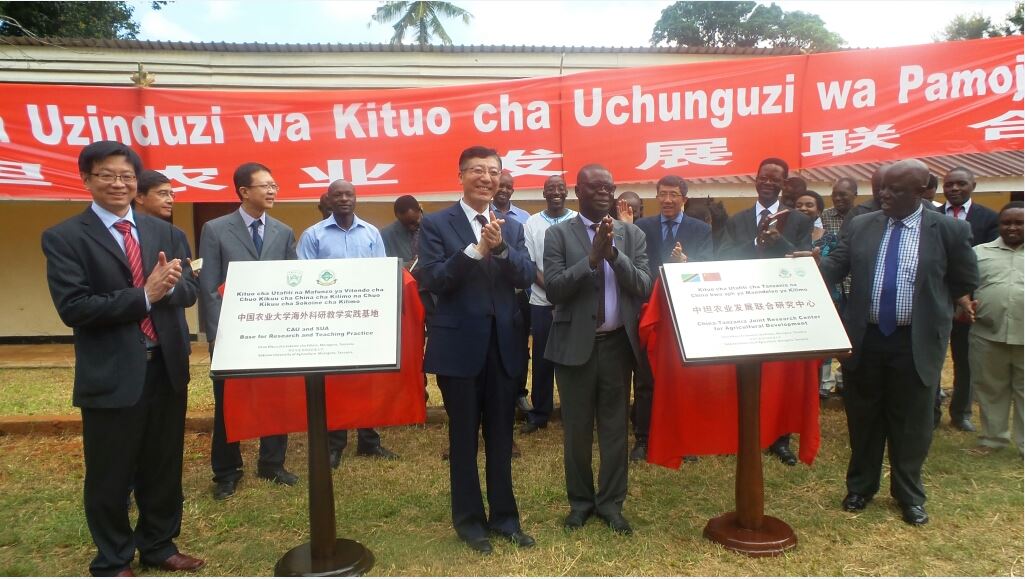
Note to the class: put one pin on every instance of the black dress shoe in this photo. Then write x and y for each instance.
(576, 519)
(279, 476)
(335, 458)
(690, 458)
(518, 538)
(482, 545)
(854, 502)
(784, 454)
(640, 452)
(530, 427)
(914, 514)
(964, 425)
(523, 404)
(376, 452)
(617, 523)
(224, 489)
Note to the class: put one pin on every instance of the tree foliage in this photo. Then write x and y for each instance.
(742, 24)
(972, 26)
(70, 19)
(423, 18)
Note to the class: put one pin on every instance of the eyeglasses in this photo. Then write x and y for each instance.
(479, 172)
(265, 186)
(772, 180)
(110, 178)
(669, 195)
(603, 186)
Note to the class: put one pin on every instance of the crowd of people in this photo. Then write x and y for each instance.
(901, 269)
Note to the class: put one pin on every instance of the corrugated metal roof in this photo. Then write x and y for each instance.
(369, 47)
(983, 165)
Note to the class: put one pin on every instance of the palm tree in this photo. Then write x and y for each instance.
(422, 17)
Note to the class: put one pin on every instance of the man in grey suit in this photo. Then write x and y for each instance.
(908, 268)
(596, 275)
(248, 234)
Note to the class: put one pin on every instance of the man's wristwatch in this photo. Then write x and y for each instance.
(498, 249)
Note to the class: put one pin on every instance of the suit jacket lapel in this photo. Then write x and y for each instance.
(271, 231)
(457, 219)
(239, 230)
(747, 224)
(148, 243)
(873, 237)
(94, 228)
(580, 232)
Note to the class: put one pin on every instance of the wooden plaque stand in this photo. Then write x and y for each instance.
(325, 555)
(748, 530)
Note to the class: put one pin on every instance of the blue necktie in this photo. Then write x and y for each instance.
(888, 297)
(669, 230)
(257, 238)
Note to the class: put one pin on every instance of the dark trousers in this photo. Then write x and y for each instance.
(484, 401)
(597, 391)
(543, 371)
(366, 439)
(141, 444)
(644, 391)
(226, 458)
(523, 303)
(961, 398)
(887, 405)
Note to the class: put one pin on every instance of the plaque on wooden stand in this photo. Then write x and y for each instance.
(312, 318)
(746, 313)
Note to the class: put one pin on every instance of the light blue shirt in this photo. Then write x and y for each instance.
(249, 219)
(676, 221)
(327, 240)
(907, 268)
(611, 286)
(513, 212)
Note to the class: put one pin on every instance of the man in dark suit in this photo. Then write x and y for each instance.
(670, 236)
(248, 234)
(473, 263)
(596, 275)
(755, 234)
(958, 186)
(117, 279)
(908, 266)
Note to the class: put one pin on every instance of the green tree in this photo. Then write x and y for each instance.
(422, 17)
(70, 19)
(1014, 24)
(969, 27)
(742, 24)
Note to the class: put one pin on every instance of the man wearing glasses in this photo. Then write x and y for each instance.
(672, 237)
(117, 277)
(474, 262)
(248, 234)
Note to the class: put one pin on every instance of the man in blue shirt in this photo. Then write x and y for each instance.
(342, 236)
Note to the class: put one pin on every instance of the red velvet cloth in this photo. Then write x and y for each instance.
(255, 407)
(694, 410)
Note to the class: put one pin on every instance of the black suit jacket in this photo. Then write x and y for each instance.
(741, 231)
(947, 270)
(982, 220)
(693, 235)
(91, 286)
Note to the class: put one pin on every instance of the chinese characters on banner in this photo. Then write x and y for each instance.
(696, 120)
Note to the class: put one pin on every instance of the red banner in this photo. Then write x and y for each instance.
(696, 120)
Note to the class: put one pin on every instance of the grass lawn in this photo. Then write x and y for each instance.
(400, 510)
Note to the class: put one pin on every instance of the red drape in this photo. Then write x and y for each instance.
(694, 410)
(255, 407)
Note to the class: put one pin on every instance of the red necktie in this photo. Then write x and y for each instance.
(135, 264)
(956, 209)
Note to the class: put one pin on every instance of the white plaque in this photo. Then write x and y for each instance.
(309, 316)
(752, 308)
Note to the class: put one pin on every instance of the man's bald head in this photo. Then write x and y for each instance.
(904, 183)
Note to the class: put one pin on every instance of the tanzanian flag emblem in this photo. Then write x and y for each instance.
(696, 277)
